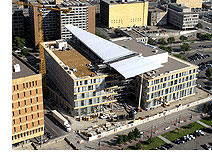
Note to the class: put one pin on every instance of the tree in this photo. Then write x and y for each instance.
(131, 136)
(205, 36)
(199, 25)
(25, 51)
(120, 139)
(208, 72)
(138, 146)
(125, 138)
(161, 41)
(117, 31)
(183, 38)
(151, 41)
(171, 40)
(18, 42)
(136, 133)
(185, 47)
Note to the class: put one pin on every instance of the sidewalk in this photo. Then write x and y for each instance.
(205, 125)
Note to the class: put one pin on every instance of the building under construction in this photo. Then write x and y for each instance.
(92, 73)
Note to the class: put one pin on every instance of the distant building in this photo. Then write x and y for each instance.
(120, 13)
(135, 34)
(27, 103)
(189, 3)
(157, 16)
(82, 15)
(181, 16)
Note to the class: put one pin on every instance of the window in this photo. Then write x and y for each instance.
(14, 88)
(14, 129)
(38, 122)
(38, 114)
(29, 84)
(31, 100)
(90, 101)
(32, 116)
(26, 85)
(23, 85)
(36, 91)
(17, 87)
(37, 99)
(37, 107)
(21, 128)
(33, 83)
(82, 103)
(32, 124)
(20, 120)
(24, 94)
(86, 81)
(31, 108)
(36, 83)
(30, 92)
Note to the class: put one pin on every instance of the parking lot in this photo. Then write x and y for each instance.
(194, 144)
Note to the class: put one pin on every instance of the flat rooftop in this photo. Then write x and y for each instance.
(24, 70)
(156, 9)
(133, 45)
(173, 64)
(74, 59)
(132, 33)
(119, 2)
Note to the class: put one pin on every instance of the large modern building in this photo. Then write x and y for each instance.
(120, 13)
(27, 103)
(190, 3)
(82, 16)
(181, 16)
(93, 73)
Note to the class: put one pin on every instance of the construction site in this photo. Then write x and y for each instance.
(125, 74)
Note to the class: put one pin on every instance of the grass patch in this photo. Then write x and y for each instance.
(182, 131)
(207, 121)
(156, 142)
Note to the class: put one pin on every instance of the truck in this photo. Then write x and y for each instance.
(64, 122)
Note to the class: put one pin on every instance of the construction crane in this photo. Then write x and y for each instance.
(40, 29)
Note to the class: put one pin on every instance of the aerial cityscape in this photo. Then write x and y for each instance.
(111, 75)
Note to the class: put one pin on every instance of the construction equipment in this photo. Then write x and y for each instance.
(164, 104)
(40, 6)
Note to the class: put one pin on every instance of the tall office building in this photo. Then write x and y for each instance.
(27, 103)
(120, 13)
(182, 17)
(82, 15)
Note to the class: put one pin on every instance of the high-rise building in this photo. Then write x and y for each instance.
(120, 13)
(82, 15)
(27, 103)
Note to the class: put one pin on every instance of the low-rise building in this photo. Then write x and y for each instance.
(27, 103)
(92, 77)
(182, 17)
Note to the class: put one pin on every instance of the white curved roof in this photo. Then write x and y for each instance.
(104, 49)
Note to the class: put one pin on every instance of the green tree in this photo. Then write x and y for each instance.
(185, 47)
(208, 72)
(151, 41)
(125, 138)
(199, 25)
(206, 36)
(18, 42)
(183, 38)
(171, 40)
(25, 51)
(161, 41)
(131, 136)
(120, 139)
(136, 133)
(138, 146)
(117, 31)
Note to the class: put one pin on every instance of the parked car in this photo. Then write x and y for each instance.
(206, 146)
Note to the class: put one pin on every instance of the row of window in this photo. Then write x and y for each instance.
(26, 110)
(28, 133)
(26, 85)
(174, 82)
(19, 104)
(174, 76)
(172, 89)
(19, 120)
(24, 93)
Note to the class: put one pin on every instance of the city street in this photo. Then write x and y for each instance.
(204, 25)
